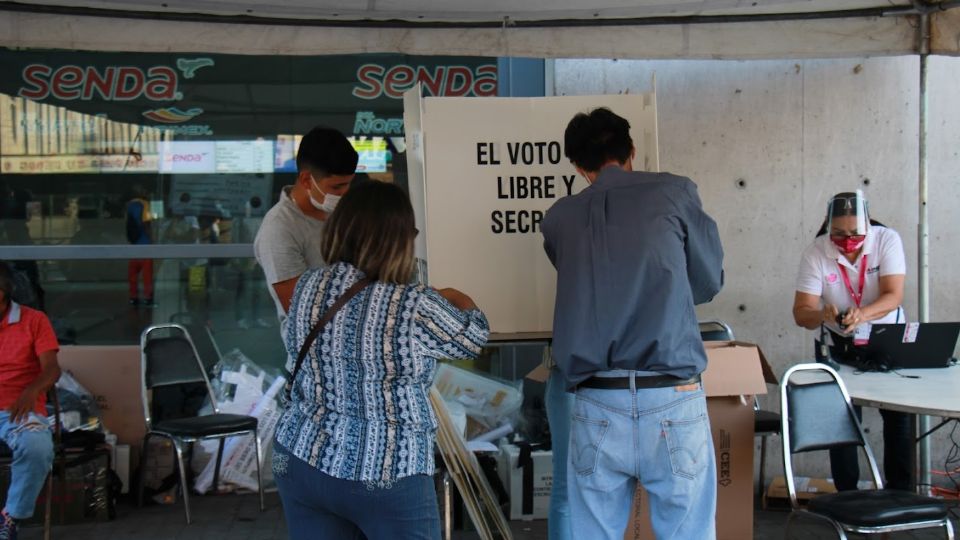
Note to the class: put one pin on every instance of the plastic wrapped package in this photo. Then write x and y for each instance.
(489, 403)
(241, 387)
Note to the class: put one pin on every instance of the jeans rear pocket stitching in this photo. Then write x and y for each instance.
(604, 426)
(674, 448)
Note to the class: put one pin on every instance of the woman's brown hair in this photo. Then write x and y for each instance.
(373, 228)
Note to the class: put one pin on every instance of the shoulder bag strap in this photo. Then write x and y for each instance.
(327, 317)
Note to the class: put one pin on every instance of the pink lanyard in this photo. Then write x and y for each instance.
(857, 297)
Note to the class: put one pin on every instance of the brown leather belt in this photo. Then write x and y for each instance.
(623, 383)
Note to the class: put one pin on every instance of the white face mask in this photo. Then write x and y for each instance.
(330, 200)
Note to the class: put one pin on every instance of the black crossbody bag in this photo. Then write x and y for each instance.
(315, 331)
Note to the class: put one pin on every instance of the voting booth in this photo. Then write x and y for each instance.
(482, 173)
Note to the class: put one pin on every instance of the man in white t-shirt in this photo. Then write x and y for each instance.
(288, 242)
(851, 277)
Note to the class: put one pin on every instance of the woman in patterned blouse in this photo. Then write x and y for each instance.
(353, 455)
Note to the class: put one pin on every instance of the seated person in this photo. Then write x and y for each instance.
(28, 368)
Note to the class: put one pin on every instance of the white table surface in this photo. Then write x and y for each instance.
(935, 393)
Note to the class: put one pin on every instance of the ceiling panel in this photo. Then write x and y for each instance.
(472, 10)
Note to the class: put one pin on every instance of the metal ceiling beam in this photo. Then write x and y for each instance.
(916, 9)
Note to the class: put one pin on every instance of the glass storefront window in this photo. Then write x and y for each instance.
(88, 302)
(206, 142)
(202, 136)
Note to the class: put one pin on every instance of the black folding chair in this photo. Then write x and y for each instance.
(203, 339)
(715, 330)
(818, 415)
(171, 362)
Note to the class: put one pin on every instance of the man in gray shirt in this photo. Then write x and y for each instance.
(634, 253)
(288, 242)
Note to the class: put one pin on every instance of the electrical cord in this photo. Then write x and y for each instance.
(951, 463)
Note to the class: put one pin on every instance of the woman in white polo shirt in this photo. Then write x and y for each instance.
(851, 276)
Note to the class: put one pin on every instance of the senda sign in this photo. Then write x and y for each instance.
(375, 80)
(114, 83)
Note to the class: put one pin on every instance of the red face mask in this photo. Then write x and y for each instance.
(848, 244)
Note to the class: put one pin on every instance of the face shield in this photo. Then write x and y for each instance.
(847, 220)
(847, 215)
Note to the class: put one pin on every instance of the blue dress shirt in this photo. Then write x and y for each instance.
(634, 253)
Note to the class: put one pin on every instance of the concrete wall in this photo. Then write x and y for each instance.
(768, 142)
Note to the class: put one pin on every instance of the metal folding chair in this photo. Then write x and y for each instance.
(171, 361)
(818, 415)
(715, 330)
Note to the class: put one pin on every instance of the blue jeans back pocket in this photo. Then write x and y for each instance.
(687, 444)
(586, 437)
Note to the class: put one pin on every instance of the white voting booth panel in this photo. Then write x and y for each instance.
(483, 172)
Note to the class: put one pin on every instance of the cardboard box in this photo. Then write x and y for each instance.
(736, 371)
(529, 486)
(112, 375)
(777, 496)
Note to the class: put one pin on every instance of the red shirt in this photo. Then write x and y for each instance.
(25, 334)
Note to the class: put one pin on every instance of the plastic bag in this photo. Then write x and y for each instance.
(241, 387)
(488, 402)
(78, 407)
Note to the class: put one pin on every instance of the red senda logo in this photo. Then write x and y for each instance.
(375, 80)
(113, 83)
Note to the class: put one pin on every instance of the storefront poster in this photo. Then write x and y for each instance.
(204, 95)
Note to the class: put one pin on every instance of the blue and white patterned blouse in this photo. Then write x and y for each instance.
(360, 407)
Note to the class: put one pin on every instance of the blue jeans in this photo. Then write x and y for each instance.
(559, 410)
(318, 506)
(32, 446)
(657, 436)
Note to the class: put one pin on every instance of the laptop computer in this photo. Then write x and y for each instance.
(914, 345)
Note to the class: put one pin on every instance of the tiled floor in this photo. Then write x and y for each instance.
(236, 517)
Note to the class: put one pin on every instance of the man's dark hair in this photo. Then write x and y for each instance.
(326, 152)
(592, 140)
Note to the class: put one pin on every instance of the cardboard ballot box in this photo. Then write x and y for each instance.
(528, 484)
(736, 371)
